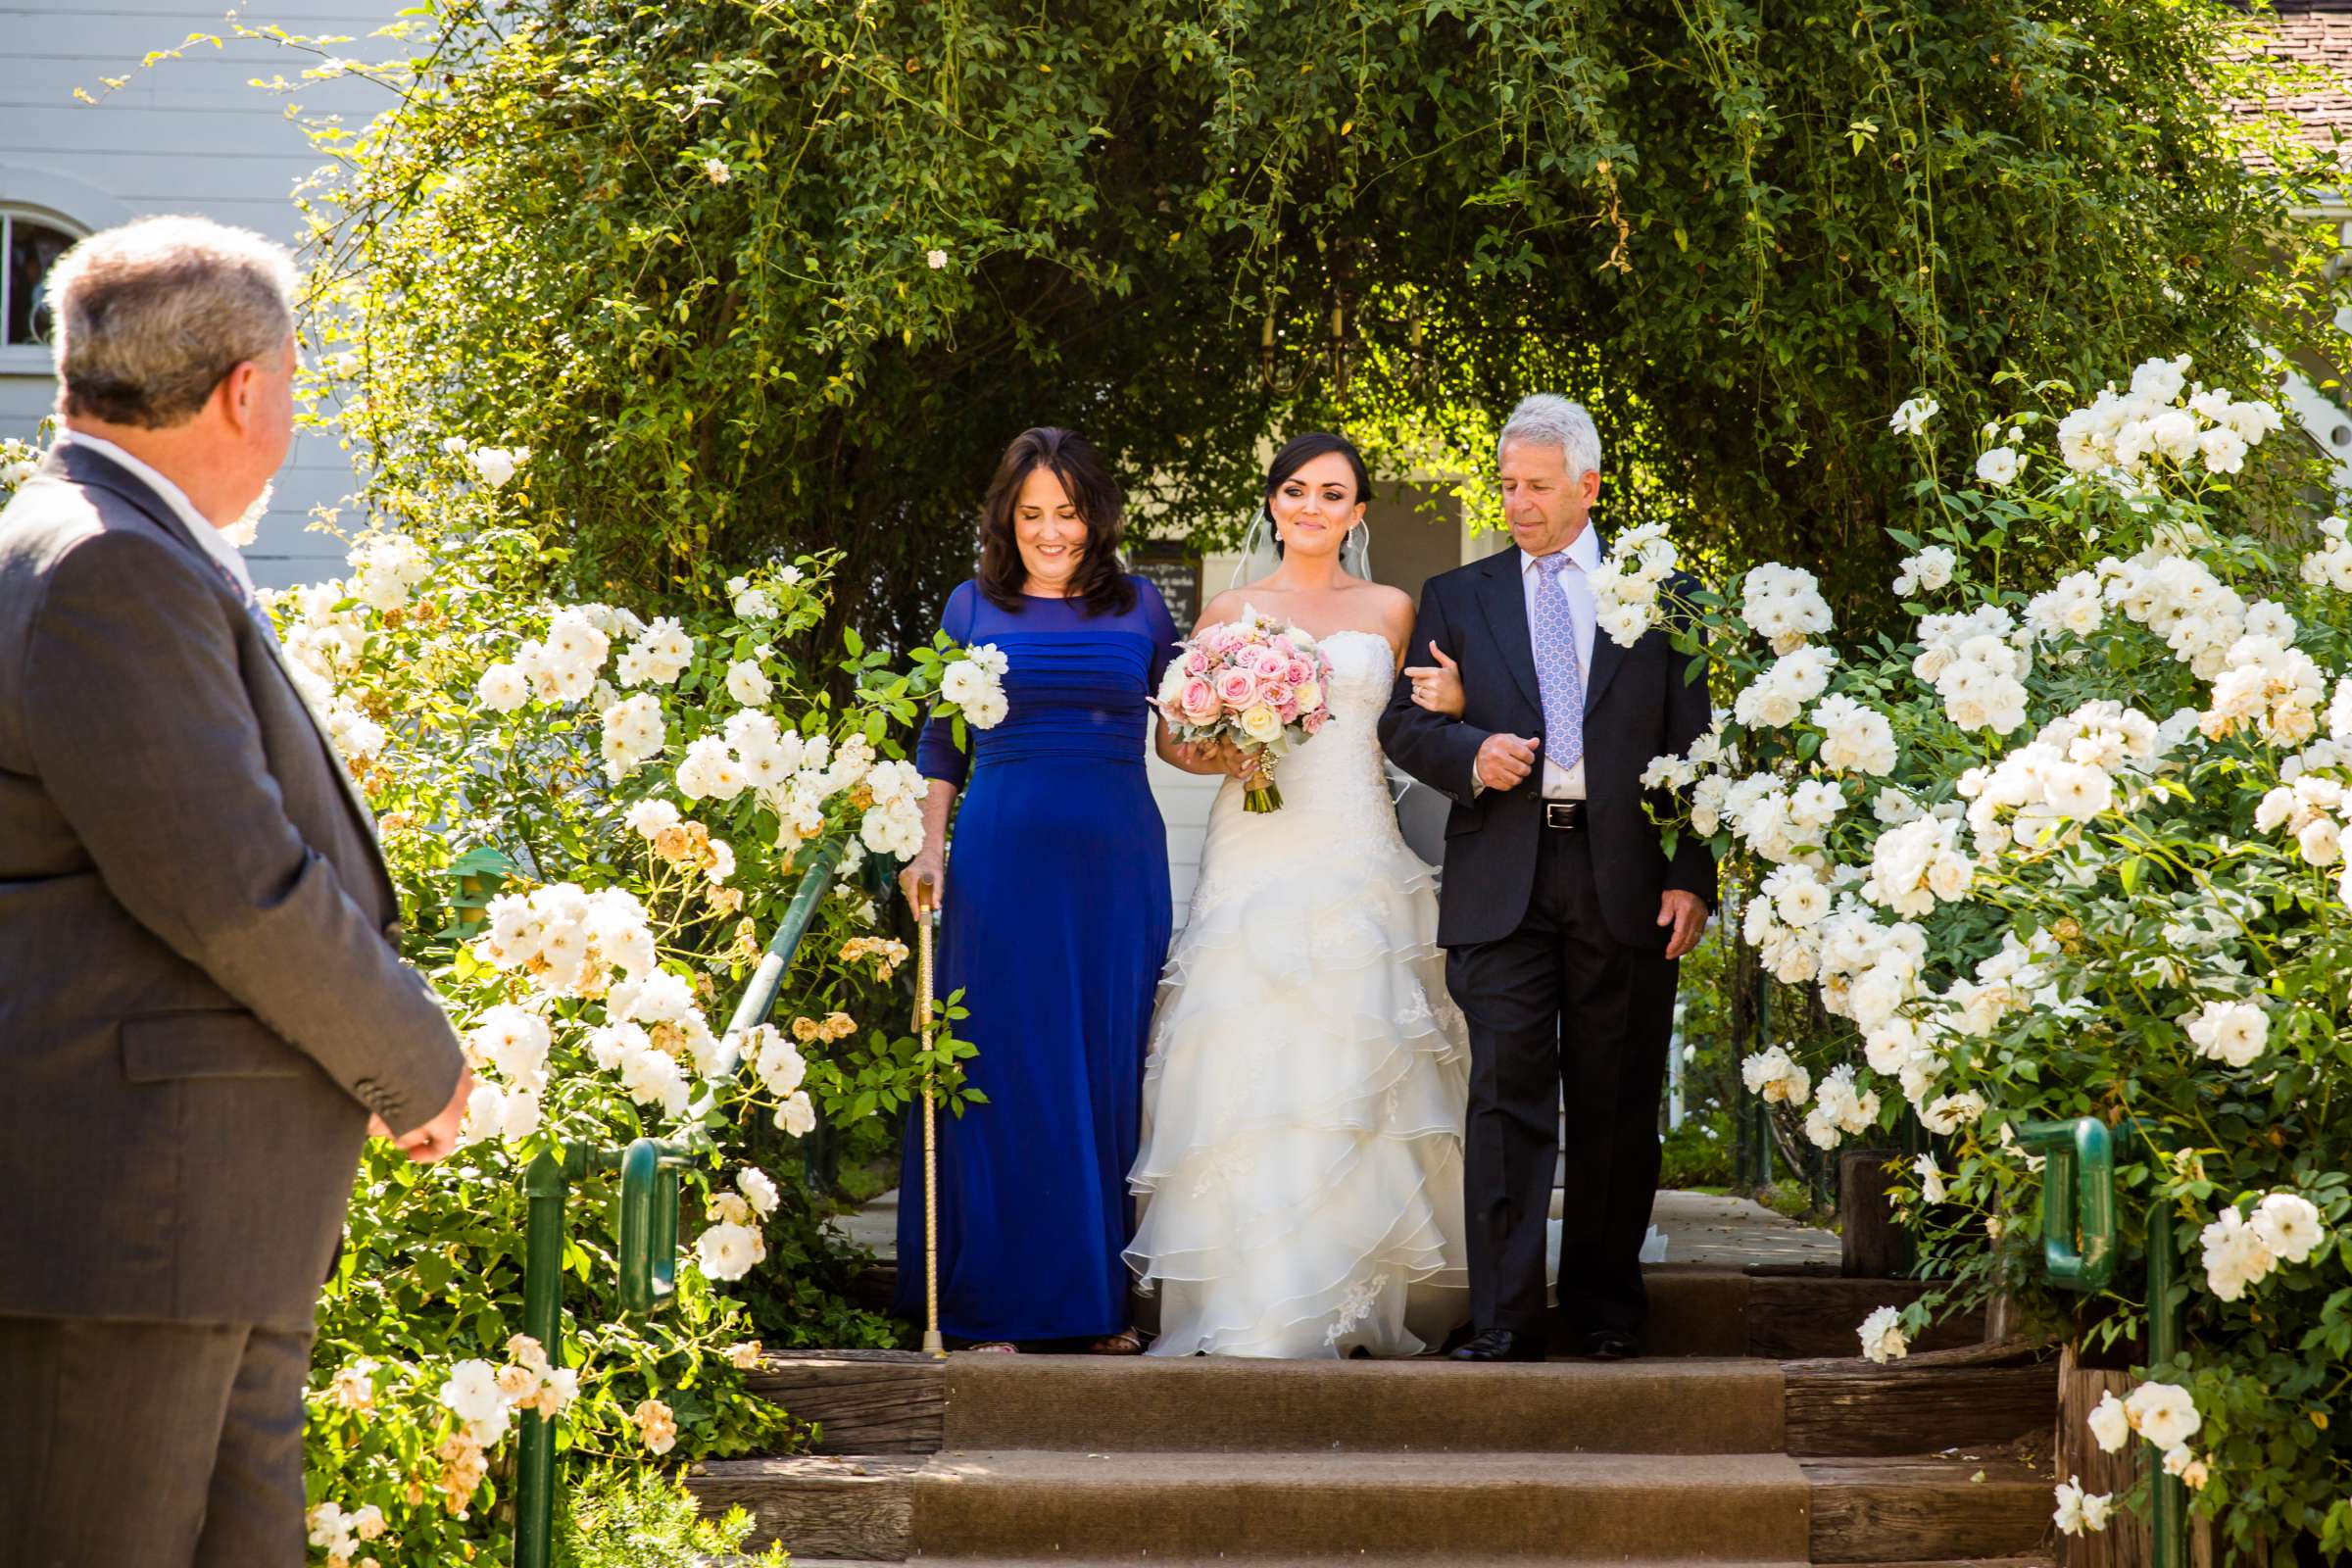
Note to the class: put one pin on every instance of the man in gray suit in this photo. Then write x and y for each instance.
(202, 1010)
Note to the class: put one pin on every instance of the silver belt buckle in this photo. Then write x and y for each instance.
(1564, 813)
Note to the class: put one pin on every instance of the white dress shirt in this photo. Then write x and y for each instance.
(200, 527)
(1568, 783)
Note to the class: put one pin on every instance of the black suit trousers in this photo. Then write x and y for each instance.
(1560, 1012)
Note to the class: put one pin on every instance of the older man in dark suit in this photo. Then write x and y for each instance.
(1562, 914)
(202, 1010)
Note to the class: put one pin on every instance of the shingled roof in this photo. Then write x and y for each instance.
(2315, 34)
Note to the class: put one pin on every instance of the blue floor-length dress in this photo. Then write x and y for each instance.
(1056, 924)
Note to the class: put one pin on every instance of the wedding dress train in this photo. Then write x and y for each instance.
(1299, 1179)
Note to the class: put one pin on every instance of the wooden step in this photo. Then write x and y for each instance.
(1797, 1315)
(859, 1510)
(1930, 1509)
(1983, 1397)
(862, 1402)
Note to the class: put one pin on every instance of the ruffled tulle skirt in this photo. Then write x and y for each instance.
(1300, 1178)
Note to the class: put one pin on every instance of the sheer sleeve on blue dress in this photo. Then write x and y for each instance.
(936, 753)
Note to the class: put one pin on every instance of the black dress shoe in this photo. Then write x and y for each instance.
(1610, 1344)
(1501, 1344)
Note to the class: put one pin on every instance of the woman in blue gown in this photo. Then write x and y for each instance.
(1055, 917)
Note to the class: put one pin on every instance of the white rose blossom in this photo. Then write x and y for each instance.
(1882, 1338)
(1924, 572)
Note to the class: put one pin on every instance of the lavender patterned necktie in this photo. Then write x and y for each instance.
(1559, 671)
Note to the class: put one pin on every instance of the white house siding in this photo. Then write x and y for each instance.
(186, 135)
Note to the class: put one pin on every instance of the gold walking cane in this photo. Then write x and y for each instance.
(925, 914)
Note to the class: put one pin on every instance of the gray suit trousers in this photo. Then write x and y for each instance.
(155, 1445)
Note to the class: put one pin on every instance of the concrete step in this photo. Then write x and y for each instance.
(1383, 1559)
(1590, 1507)
(1206, 1404)
(1785, 1312)
(1012, 1504)
(1355, 1560)
(898, 1403)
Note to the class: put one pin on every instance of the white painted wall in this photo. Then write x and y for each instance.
(184, 135)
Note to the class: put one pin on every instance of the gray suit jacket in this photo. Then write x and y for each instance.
(200, 998)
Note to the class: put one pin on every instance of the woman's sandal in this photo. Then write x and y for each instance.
(994, 1347)
(1124, 1342)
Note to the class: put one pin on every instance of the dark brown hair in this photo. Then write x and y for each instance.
(1298, 454)
(1100, 583)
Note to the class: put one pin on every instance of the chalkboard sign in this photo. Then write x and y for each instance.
(1175, 572)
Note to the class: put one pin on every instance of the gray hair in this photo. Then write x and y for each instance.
(152, 314)
(1548, 420)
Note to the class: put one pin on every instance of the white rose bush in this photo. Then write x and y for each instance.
(596, 819)
(2071, 847)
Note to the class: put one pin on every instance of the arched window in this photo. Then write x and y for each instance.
(30, 244)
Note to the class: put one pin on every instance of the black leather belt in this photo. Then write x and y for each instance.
(1566, 815)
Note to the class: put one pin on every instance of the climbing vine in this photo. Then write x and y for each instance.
(781, 275)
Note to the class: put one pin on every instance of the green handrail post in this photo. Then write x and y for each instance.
(547, 1184)
(2078, 1245)
(648, 1219)
(2169, 1517)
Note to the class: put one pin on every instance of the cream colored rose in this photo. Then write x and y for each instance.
(1261, 724)
(1310, 696)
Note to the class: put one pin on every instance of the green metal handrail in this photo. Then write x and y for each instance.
(760, 992)
(2079, 1249)
(648, 1214)
(2077, 1200)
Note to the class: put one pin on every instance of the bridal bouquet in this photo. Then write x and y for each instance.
(1253, 682)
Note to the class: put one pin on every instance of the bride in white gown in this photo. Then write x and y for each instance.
(1300, 1174)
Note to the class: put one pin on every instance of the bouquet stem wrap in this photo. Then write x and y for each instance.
(1263, 795)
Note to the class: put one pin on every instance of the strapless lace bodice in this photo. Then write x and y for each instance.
(1345, 755)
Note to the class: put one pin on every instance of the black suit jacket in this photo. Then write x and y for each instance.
(1640, 703)
(199, 996)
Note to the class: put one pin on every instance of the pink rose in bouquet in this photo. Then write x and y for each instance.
(1254, 683)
